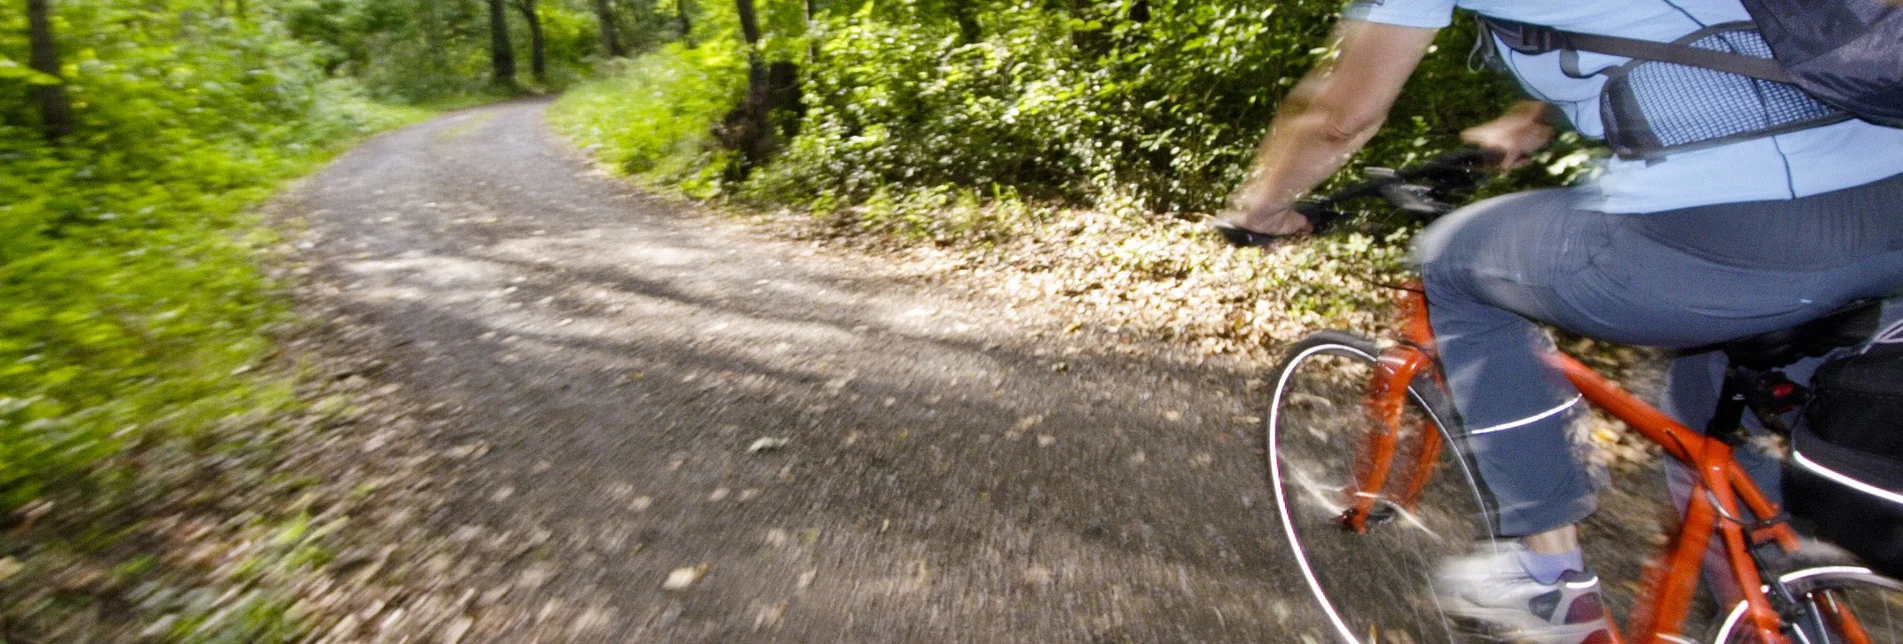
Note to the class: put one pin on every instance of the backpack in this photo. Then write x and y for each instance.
(1845, 474)
(1800, 64)
(1849, 53)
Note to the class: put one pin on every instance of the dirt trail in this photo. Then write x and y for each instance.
(605, 361)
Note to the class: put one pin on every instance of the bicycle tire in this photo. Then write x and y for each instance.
(1876, 602)
(1369, 585)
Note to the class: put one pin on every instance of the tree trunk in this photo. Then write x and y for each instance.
(56, 110)
(749, 24)
(501, 53)
(967, 18)
(538, 50)
(610, 34)
(747, 129)
(757, 86)
(812, 45)
(687, 24)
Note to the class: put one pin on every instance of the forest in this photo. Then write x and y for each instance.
(144, 294)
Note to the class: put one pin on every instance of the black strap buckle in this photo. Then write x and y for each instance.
(1526, 38)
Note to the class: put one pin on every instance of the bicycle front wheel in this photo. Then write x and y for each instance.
(1372, 577)
(1835, 605)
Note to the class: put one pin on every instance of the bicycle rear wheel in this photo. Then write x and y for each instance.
(1835, 605)
(1375, 584)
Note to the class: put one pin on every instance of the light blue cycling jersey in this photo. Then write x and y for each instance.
(1784, 166)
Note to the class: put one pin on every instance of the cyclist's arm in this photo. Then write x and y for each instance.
(1333, 112)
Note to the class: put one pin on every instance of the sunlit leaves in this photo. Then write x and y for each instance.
(126, 265)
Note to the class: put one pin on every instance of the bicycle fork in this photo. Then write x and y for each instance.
(1394, 371)
(1376, 454)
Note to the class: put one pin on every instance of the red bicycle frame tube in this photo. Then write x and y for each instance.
(1718, 505)
(1394, 371)
(1387, 396)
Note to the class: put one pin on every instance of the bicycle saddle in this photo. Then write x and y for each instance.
(1849, 325)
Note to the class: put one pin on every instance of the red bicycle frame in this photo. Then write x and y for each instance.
(1722, 490)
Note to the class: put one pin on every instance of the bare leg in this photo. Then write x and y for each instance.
(1557, 541)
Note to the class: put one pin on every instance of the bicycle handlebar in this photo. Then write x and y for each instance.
(1419, 190)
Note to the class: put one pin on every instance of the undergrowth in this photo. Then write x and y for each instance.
(139, 320)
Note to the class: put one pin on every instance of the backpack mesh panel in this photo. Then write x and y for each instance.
(1653, 106)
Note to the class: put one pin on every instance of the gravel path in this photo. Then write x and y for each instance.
(611, 362)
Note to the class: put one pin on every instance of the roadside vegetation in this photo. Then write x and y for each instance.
(1078, 142)
(139, 360)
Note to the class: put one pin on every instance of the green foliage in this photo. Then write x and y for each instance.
(654, 117)
(897, 104)
(134, 298)
(1155, 105)
(1090, 104)
(424, 50)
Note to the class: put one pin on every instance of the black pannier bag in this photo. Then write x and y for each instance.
(1846, 470)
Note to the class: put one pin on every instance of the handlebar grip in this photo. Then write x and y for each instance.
(1470, 157)
(1240, 237)
(1320, 217)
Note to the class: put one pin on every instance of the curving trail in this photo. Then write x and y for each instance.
(612, 358)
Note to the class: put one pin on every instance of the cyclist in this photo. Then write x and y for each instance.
(1686, 247)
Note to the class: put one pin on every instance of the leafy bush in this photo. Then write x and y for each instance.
(1154, 105)
(1094, 105)
(897, 104)
(654, 118)
(129, 269)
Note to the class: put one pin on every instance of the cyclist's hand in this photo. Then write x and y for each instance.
(1241, 234)
(1520, 132)
(1281, 224)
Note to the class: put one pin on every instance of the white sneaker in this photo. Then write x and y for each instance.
(1494, 588)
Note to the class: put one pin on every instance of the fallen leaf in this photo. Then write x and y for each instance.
(767, 445)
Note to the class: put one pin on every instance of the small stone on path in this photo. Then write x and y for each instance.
(682, 578)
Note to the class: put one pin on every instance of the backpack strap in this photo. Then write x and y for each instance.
(1539, 39)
